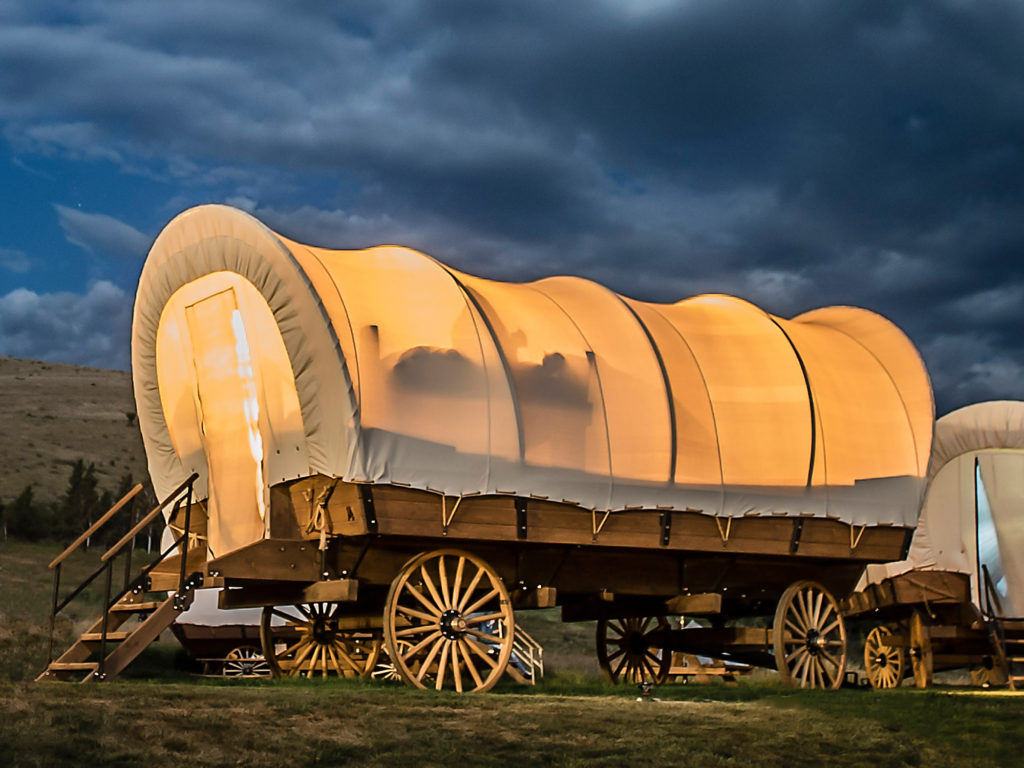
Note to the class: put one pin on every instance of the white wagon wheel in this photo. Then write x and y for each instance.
(921, 657)
(245, 661)
(884, 664)
(454, 611)
(628, 651)
(809, 636)
(308, 642)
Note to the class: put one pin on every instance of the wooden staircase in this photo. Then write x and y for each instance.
(1008, 637)
(1006, 634)
(112, 642)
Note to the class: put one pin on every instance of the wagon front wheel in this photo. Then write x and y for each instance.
(631, 650)
(448, 622)
(883, 663)
(809, 636)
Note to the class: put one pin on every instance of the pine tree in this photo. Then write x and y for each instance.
(81, 502)
(25, 520)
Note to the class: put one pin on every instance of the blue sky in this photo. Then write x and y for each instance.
(796, 154)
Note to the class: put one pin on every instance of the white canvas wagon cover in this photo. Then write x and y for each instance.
(973, 512)
(258, 360)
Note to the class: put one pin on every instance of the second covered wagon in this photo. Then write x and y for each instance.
(398, 447)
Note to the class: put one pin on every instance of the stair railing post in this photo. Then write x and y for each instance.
(131, 547)
(53, 611)
(185, 538)
(106, 618)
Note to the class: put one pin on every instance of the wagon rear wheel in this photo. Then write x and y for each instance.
(245, 661)
(921, 658)
(305, 640)
(809, 636)
(448, 622)
(883, 663)
(631, 650)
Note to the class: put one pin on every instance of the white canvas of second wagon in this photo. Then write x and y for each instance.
(412, 453)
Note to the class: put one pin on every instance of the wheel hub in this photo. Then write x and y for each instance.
(453, 624)
(637, 643)
(814, 642)
(324, 631)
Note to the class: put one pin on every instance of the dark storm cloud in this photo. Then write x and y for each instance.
(796, 153)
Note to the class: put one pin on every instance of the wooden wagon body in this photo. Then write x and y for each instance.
(391, 445)
(957, 600)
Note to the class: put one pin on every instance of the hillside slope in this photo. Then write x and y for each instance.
(53, 414)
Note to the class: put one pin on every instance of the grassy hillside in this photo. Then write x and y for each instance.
(52, 414)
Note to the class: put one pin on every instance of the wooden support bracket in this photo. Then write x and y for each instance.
(726, 532)
(446, 516)
(855, 540)
(595, 526)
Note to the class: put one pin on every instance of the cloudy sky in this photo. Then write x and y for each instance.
(796, 154)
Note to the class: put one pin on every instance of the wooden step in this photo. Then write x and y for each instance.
(136, 607)
(96, 637)
(72, 666)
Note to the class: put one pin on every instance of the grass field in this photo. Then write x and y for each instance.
(159, 715)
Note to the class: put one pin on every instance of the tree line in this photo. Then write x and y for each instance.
(82, 503)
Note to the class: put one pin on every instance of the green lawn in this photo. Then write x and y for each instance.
(161, 716)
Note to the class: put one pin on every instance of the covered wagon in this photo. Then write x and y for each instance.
(397, 447)
(957, 599)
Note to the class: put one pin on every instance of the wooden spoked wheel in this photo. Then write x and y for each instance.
(630, 650)
(988, 674)
(305, 640)
(883, 663)
(385, 669)
(245, 661)
(453, 612)
(921, 658)
(809, 636)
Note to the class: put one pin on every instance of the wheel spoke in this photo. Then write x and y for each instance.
(485, 617)
(618, 669)
(488, 639)
(423, 601)
(417, 630)
(818, 597)
(453, 648)
(412, 612)
(461, 607)
(442, 665)
(482, 654)
(616, 627)
(479, 603)
(800, 650)
(431, 655)
(469, 663)
(346, 658)
(457, 581)
(615, 655)
(420, 646)
(828, 630)
(442, 578)
(429, 583)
